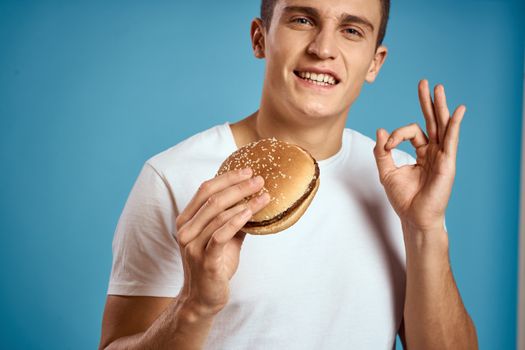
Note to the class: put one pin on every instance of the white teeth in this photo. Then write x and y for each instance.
(323, 79)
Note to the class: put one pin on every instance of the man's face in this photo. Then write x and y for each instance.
(309, 36)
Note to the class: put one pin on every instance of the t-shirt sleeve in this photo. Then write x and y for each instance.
(146, 256)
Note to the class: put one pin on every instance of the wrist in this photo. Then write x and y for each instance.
(194, 311)
(425, 243)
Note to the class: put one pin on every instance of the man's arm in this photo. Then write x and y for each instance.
(434, 314)
(152, 323)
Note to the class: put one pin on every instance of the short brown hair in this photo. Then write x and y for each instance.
(267, 7)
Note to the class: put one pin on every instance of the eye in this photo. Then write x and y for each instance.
(353, 31)
(301, 20)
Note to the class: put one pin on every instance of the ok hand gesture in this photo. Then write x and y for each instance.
(419, 193)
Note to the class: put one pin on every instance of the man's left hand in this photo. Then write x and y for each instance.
(419, 193)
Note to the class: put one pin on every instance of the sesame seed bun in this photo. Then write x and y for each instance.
(291, 177)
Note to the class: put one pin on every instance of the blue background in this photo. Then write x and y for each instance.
(90, 90)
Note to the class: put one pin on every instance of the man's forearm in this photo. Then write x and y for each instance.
(180, 326)
(434, 314)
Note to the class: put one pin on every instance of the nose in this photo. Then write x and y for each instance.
(323, 45)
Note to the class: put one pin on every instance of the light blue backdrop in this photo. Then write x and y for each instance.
(90, 90)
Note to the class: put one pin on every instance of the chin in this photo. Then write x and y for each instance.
(317, 111)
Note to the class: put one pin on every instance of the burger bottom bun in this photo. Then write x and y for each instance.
(287, 221)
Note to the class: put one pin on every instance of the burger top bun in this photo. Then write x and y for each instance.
(290, 174)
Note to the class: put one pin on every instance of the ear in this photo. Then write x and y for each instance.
(257, 34)
(377, 63)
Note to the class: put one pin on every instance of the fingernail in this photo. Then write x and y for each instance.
(246, 213)
(256, 180)
(246, 171)
(263, 198)
(389, 142)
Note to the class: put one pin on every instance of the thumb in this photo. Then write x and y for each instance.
(385, 162)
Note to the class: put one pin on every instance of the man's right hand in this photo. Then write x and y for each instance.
(210, 243)
(209, 238)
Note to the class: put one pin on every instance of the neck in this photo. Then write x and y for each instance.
(322, 138)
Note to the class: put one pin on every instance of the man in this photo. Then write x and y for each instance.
(368, 260)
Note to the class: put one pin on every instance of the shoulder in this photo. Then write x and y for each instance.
(198, 147)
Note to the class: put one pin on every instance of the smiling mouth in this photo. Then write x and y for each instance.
(317, 79)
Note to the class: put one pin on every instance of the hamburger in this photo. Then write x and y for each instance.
(291, 178)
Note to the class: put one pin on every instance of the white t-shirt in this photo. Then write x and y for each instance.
(334, 280)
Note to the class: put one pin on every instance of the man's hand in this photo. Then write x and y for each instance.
(419, 193)
(209, 238)
(210, 243)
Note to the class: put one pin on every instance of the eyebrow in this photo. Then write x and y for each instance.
(344, 18)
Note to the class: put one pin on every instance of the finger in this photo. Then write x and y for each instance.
(225, 233)
(254, 205)
(452, 135)
(217, 203)
(427, 107)
(385, 163)
(441, 111)
(208, 188)
(412, 133)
